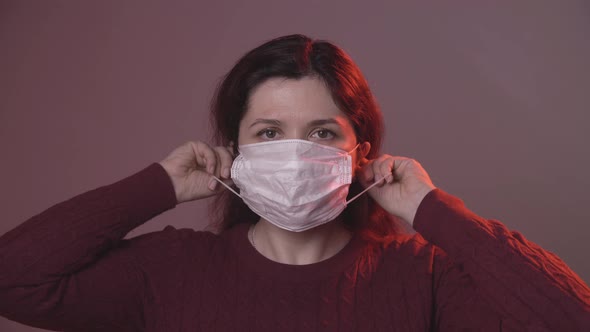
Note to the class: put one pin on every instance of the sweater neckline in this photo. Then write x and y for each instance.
(266, 267)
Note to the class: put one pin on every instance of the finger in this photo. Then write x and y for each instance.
(207, 159)
(399, 166)
(220, 187)
(205, 156)
(367, 172)
(230, 149)
(225, 161)
(377, 164)
(382, 167)
(213, 183)
(386, 169)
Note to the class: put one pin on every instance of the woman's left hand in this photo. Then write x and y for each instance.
(401, 193)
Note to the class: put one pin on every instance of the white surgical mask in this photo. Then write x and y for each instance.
(294, 184)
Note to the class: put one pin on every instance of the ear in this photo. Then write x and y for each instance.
(364, 149)
(362, 152)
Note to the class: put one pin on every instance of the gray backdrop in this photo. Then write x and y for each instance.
(491, 98)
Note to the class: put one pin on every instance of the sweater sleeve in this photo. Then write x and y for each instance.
(68, 268)
(526, 285)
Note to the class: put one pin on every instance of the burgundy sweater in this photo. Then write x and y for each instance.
(69, 268)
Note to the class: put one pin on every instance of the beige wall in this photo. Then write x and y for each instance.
(492, 100)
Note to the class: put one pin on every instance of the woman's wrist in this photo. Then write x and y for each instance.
(416, 201)
(175, 184)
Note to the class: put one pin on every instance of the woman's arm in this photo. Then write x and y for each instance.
(68, 268)
(526, 285)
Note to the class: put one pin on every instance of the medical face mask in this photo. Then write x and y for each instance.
(294, 184)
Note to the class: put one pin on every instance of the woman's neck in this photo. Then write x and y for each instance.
(299, 248)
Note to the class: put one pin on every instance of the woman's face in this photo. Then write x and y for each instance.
(282, 108)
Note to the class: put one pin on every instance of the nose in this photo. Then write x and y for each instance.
(296, 133)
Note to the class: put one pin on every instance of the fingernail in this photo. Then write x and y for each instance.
(212, 184)
(226, 172)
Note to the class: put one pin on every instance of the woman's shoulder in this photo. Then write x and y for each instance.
(170, 236)
(169, 244)
(178, 241)
(413, 248)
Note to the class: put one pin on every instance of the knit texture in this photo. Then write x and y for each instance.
(69, 269)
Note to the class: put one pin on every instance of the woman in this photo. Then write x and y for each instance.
(297, 127)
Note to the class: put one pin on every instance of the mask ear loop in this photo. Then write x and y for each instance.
(347, 202)
(225, 185)
(367, 189)
(355, 147)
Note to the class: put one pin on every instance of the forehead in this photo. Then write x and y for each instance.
(307, 98)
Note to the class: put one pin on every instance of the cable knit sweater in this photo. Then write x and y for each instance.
(69, 268)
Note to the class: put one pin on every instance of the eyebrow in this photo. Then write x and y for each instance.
(319, 122)
(322, 122)
(267, 121)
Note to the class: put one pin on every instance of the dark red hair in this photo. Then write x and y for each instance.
(294, 57)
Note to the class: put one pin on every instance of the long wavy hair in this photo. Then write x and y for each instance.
(295, 57)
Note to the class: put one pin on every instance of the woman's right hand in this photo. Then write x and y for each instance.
(191, 166)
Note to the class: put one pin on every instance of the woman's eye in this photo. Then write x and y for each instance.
(268, 133)
(323, 134)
